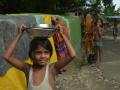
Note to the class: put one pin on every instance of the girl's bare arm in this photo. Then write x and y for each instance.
(70, 56)
(9, 52)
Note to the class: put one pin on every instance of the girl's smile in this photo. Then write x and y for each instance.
(42, 56)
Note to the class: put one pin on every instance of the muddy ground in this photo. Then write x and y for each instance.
(82, 76)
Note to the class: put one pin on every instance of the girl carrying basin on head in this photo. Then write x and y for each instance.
(40, 75)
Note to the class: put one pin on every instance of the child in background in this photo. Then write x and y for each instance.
(40, 75)
(98, 39)
(115, 30)
(59, 41)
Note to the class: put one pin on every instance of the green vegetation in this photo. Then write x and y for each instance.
(58, 6)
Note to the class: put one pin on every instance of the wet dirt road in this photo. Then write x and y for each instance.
(86, 77)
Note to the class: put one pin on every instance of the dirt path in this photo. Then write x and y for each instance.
(86, 77)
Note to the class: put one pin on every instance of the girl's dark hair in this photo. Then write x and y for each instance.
(39, 41)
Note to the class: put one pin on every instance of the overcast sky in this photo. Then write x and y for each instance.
(117, 2)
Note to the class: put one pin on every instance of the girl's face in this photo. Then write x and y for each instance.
(42, 56)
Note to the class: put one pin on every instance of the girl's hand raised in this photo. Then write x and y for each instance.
(21, 29)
